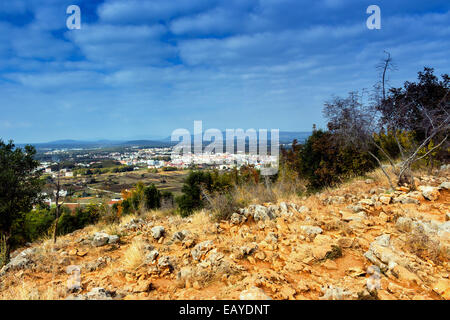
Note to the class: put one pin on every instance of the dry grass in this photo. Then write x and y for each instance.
(200, 218)
(289, 189)
(252, 194)
(28, 291)
(422, 245)
(161, 213)
(113, 229)
(134, 256)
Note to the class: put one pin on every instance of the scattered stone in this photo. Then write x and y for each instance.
(330, 265)
(247, 250)
(113, 239)
(180, 235)
(405, 199)
(345, 242)
(262, 213)
(334, 293)
(21, 261)
(429, 193)
(272, 237)
(166, 262)
(311, 231)
(254, 293)
(385, 199)
(201, 249)
(442, 288)
(237, 218)
(444, 185)
(100, 239)
(151, 256)
(157, 232)
(98, 294)
(383, 240)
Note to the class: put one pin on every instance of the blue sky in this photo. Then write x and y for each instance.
(140, 69)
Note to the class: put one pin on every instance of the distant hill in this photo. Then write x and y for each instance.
(76, 144)
(286, 137)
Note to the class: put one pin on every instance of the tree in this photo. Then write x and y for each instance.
(418, 111)
(20, 187)
(420, 107)
(59, 194)
(325, 161)
(196, 185)
(353, 123)
(152, 197)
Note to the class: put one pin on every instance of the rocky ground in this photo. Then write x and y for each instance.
(359, 241)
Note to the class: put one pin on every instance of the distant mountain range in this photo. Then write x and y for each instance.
(286, 137)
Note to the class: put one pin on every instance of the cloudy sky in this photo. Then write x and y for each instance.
(140, 69)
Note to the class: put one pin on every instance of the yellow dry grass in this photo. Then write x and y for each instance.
(134, 255)
(28, 291)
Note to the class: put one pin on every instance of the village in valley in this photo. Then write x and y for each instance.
(93, 176)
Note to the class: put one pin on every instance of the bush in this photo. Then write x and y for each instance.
(152, 197)
(80, 218)
(196, 183)
(142, 198)
(37, 223)
(323, 162)
(223, 205)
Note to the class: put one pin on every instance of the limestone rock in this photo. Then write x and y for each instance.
(254, 293)
(201, 249)
(98, 293)
(311, 231)
(151, 256)
(157, 232)
(444, 185)
(429, 193)
(101, 239)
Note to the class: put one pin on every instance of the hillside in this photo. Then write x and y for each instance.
(321, 247)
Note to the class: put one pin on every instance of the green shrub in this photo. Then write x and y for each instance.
(152, 197)
(323, 162)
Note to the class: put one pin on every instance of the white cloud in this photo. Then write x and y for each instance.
(121, 46)
(144, 11)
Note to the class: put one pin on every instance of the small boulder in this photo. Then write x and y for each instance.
(100, 239)
(429, 193)
(166, 262)
(98, 294)
(444, 186)
(311, 231)
(254, 293)
(151, 256)
(113, 239)
(157, 232)
(262, 213)
(180, 235)
(201, 249)
(237, 218)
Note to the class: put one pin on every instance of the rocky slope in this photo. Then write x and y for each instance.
(355, 242)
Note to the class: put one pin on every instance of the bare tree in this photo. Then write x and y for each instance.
(58, 197)
(353, 122)
(384, 66)
(421, 108)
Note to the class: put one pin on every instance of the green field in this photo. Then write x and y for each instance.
(104, 187)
